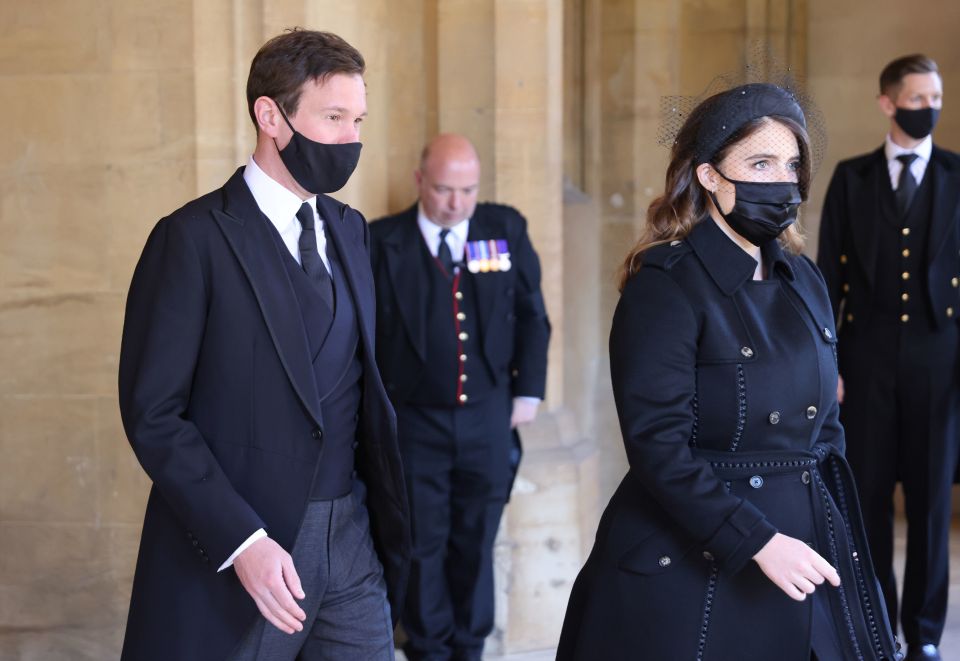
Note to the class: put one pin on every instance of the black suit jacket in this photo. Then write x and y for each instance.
(514, 327)
(218, 399)
(848, 246)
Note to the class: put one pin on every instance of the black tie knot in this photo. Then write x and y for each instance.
(907, 159)
(305, 216)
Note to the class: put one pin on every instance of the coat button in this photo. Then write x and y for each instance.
(811, 412)
(708, 556)
(747, 352)
(846, 288)
(955, 282)
(850, 317)
(317, 434)
(949, 312)
(463, 378)
(905, 231)
(463, 399)
(904, 297)
(463, 358)
(827, 333)
(805, 477)
(774, 418)
(756, 481)
(843, 259)
(463, 336)
(905, 275)
(905, 252)
(665, 561)
(904, 318)
(458, 296)
(461, 316)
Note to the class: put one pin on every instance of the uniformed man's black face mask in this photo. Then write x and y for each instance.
(762, 210)
(318, 167)
(919, 123)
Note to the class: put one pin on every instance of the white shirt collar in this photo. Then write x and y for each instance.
(277, 202)
(923, 150)
(430, 230)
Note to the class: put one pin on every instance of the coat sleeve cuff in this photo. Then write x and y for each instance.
(745, 532)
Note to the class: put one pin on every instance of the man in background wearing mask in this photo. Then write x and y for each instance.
(889, 253)
(249, 393)
(462, 339)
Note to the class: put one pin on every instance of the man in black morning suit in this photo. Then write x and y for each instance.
(890, 254)
(249, 392)
(462, 339)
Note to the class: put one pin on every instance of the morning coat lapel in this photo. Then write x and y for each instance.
(354, 262)
(245, 228)
(866, 211)
(401, 253)
(946, 197)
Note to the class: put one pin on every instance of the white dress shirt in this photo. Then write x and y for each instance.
(456, 239)
(919, 165)
(280, 205)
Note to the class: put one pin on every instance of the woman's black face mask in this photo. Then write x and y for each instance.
(762, 210)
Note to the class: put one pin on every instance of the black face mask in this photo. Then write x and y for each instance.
(919, 123)
(318, 167)
(762, 211)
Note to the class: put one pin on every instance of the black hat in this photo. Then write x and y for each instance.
(738, 106)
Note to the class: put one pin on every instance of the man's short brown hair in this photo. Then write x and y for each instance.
(891, 78)
(286, 62)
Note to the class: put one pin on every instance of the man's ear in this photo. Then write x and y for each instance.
(887, 105)
(268, 116)
(707, 177)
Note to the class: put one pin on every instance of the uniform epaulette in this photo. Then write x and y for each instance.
(665, 255)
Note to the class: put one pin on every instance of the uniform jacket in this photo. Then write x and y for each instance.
(730, 422)
(857, 198)
(219, 401)
(514, 329)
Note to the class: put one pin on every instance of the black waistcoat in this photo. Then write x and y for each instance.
(334, 341)
(454, 374)
(901, 276)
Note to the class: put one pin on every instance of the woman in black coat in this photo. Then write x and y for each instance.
(735, 535)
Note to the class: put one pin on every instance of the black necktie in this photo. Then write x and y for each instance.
(443, 253)
(310, 259)
(907, 185)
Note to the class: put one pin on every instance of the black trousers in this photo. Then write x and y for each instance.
(900, 413)
(456, 464)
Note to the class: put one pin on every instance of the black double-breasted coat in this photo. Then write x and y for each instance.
(726, 393)
(219, 401)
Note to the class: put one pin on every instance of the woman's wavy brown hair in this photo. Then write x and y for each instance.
(684, 202)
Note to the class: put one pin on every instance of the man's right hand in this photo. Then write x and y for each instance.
(267, 573)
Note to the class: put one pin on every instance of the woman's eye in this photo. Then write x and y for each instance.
(761, 165)
(793, 166)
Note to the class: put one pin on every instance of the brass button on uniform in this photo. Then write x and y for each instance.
(747, 352)
(463, 358)
(463, 378)
(843, 259)
(949, 312)
(665, 561)
(905, 275)
(756, 481)
(463, 336)
(904, 318)
(906, 252)
(463, 399)
(904, 297)
(905, 231)
(850, 316)
(955, 282)
(846, 288)
(811, 412)
(774, 418)
(458, 296)
(461, 316)
(805, 477)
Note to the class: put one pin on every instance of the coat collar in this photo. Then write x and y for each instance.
(726, 262)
